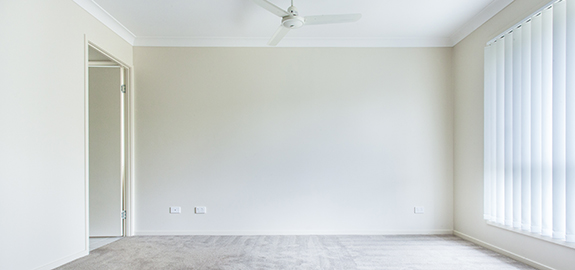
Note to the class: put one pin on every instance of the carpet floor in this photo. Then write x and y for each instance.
(438, 252)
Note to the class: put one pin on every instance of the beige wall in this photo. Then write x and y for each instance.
(468, 157)
(290, 141)
(42, 168)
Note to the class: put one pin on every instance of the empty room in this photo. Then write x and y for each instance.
(279, 134)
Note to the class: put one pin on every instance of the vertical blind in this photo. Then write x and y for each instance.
(529, 166)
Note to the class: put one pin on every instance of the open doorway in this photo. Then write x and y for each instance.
(107, 148)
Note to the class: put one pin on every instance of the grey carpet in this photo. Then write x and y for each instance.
(294, 252)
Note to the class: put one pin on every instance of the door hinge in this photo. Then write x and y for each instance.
(123, 88)
(124, 214)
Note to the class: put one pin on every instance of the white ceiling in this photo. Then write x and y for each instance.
(385, 23)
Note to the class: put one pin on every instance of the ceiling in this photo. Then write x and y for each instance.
(242, 23)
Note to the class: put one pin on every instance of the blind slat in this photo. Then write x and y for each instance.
(508, 117)
(536, 124)
(570, 123)
(493, 132)
(500, 107)
(546, 121)
(526, 127)
(559, 80)
(487, 119)
(516, 133)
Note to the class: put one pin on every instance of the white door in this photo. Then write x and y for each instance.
(106, 154)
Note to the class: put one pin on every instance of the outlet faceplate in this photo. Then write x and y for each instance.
(201, 210)
(419, 210)
(175, 210)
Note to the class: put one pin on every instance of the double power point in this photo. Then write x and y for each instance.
(419, 210)
(197, 210)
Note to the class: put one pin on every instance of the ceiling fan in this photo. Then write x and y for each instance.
(292, 20)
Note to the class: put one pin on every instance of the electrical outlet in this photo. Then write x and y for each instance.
(201, 209)
(419, 210)
(175, 210)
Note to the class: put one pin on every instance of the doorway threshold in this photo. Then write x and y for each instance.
(97, 242)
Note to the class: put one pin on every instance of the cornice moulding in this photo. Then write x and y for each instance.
(103, 16)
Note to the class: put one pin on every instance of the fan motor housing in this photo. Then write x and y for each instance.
(293, 22)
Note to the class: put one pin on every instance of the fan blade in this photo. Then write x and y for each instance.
(279, 34)
(271, 7)
(325, 19)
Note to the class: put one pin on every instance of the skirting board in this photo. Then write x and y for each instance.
(502, 251)
(64, 260)
(430, 232)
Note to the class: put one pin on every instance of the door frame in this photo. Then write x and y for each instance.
(128, 149)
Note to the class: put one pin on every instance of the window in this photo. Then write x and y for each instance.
(529, 165)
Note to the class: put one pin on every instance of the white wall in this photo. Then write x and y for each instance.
(293, 141)
(42, 169)
(468, 156)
